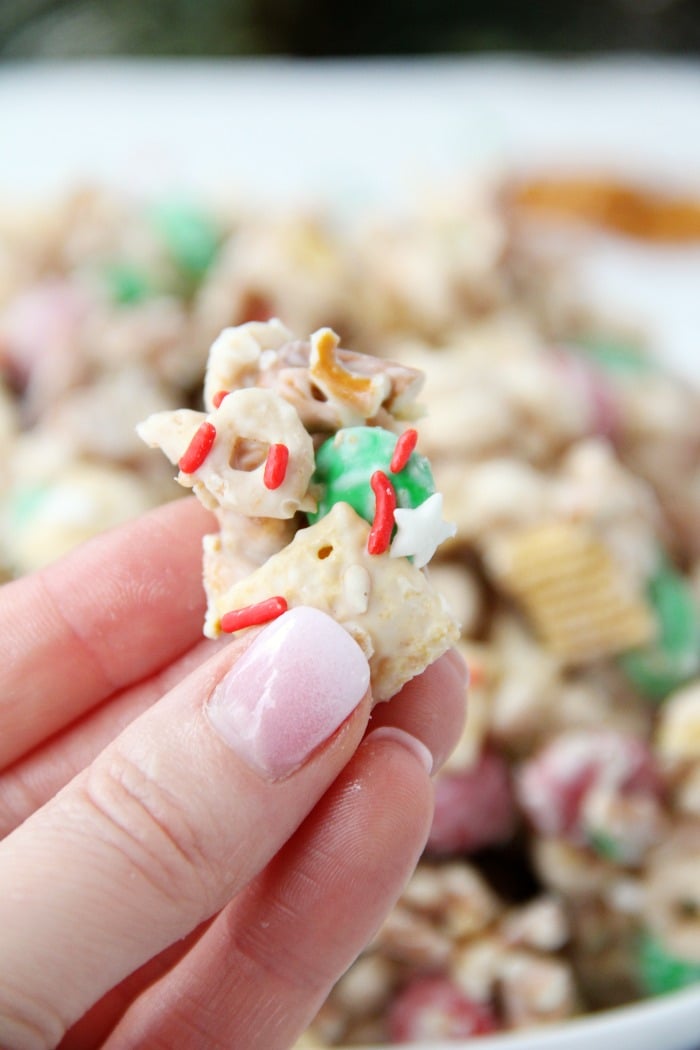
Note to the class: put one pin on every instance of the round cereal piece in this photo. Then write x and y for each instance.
(346, 462)
(237, 355)
(249, 424)
(672, 893)
(678, 727)
(225, 456)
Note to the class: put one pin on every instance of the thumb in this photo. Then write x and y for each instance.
(173, 818)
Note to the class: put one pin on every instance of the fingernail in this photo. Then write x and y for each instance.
(295, 685)
(455, 658)
(406, 740)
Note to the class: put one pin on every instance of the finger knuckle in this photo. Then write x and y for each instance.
(275, 947)
(17, 801)
(27, 1021)
(150, 825)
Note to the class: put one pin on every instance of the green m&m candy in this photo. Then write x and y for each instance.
(190, 235)
(674, 656)
(615, 357)
(346, 462)
(660, 972)
(126, 283)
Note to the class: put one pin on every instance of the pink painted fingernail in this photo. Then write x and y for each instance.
(295, 685)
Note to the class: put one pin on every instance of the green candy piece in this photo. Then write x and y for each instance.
(346, 462)
(190, 235)
(127, 284)
(660, 972)
(605, 846)
(614, 357)
(25, 502)
(674, 657)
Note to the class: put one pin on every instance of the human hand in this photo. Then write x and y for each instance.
(171, 875)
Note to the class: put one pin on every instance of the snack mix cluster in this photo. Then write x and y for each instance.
(562, 873)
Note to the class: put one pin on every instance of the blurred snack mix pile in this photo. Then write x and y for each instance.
(562, 873)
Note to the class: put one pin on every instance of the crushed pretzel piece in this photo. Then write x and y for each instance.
(362, 392)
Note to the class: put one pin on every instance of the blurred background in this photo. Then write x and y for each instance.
(314, 28)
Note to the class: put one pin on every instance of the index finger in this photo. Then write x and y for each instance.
(111, 612)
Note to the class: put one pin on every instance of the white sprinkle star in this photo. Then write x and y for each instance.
(420, 531)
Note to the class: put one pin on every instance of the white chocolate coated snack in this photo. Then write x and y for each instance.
(385, 603)
(251, 456)
(545, 421)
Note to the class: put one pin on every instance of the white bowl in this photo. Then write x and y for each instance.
(668, 1023)
(387, 129)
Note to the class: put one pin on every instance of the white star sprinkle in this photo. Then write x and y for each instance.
(420, 531)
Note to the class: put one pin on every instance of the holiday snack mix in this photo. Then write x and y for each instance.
(562, 871)
(251, 460)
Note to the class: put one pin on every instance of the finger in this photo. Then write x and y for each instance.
(93, 1027)
(431, 707)
(441, 685)
(30, 782)
(180, 812)
(259, 974)
(106, 615)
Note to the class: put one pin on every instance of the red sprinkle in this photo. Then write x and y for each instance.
(275, 466)
(402, 450)
(477, 674)
(385, 505)
(252, 615)
(219, 397)
(198, 448)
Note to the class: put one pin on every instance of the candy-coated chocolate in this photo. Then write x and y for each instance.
(660, 972)
(659, 668)
(126, 283)
(433, 1006)
(615, 357)
(474, 808)
(346, 462)
(606, 846)
(25, 502)
(190, 236)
